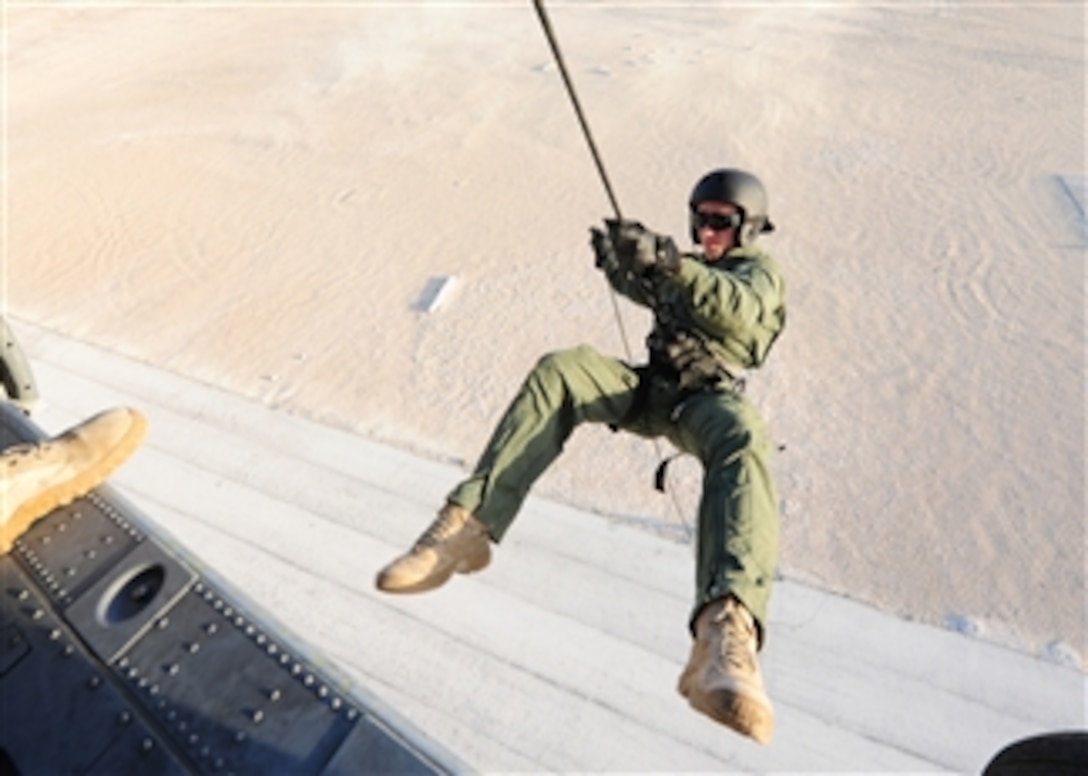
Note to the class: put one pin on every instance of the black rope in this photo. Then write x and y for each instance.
(549, 33)
(542, 12)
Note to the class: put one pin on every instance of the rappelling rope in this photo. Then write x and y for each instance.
(553, 43)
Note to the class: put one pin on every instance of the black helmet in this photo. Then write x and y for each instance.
(739, 188)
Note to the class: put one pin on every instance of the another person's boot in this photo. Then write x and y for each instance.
(722, 678)
(456, 542)
(38, 478)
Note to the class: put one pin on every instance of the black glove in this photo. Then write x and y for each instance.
(642, 252)
(603, 249)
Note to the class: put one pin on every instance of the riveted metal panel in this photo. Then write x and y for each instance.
(232, 694)
(61, 711)
(72, 547)
(140, 588)
(137, 751)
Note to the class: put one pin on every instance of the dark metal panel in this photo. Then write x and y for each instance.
(137, 752)
(231, 694)
(59, 710)
(141, 587)
(377, 748)
(72, 547)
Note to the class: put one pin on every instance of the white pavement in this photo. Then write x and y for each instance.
(564, 654)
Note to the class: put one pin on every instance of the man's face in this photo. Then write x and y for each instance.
(716, 225)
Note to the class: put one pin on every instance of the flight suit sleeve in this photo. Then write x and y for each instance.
(741, 301)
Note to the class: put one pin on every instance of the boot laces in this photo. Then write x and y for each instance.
(445, 525)
(21, 453)
(738, 635)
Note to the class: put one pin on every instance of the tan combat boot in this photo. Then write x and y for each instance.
(455, 542)
(722, 678)
(38, 478)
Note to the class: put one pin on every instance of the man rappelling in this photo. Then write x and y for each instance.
(718, 310)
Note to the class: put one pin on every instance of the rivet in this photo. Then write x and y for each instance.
(147, 745)
(153, 690)
(46, 540)
(323, 692)
(54, 634)
(219, 763)
(124, 718)
(257, 717)
(352, 713)
(194, 739)
(93, 682)
(23, 595)
(62, 527)
(205, 751)
(91, 554)
(239, 621)
(133, 672)
(274, 694)
(122, 663)
(208, 595)
(296, 669)
(194, 647)
(228, 612)
(107, 539)
(143, 682)
(183, 726)
(272, 649)
(211, 628)
(37, 614)
(70, 571)
(171, 715)
(262, 639)
(309, 680)
(240, 737)
(198, 587)
(172, 669)
(250, 630)
(68, 651)
(335, 704)
(164, 623)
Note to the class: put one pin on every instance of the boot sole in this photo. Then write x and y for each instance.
(737, 712)
(466, 566)
(64, 493)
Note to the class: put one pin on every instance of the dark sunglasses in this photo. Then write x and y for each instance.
(717, 222)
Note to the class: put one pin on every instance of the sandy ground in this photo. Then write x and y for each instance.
(261, 198)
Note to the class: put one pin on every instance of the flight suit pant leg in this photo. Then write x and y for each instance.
(565, 389)
(737, 533)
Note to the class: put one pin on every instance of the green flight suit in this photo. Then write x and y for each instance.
(737, 305)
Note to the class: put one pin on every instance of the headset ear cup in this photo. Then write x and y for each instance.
(747, 234)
